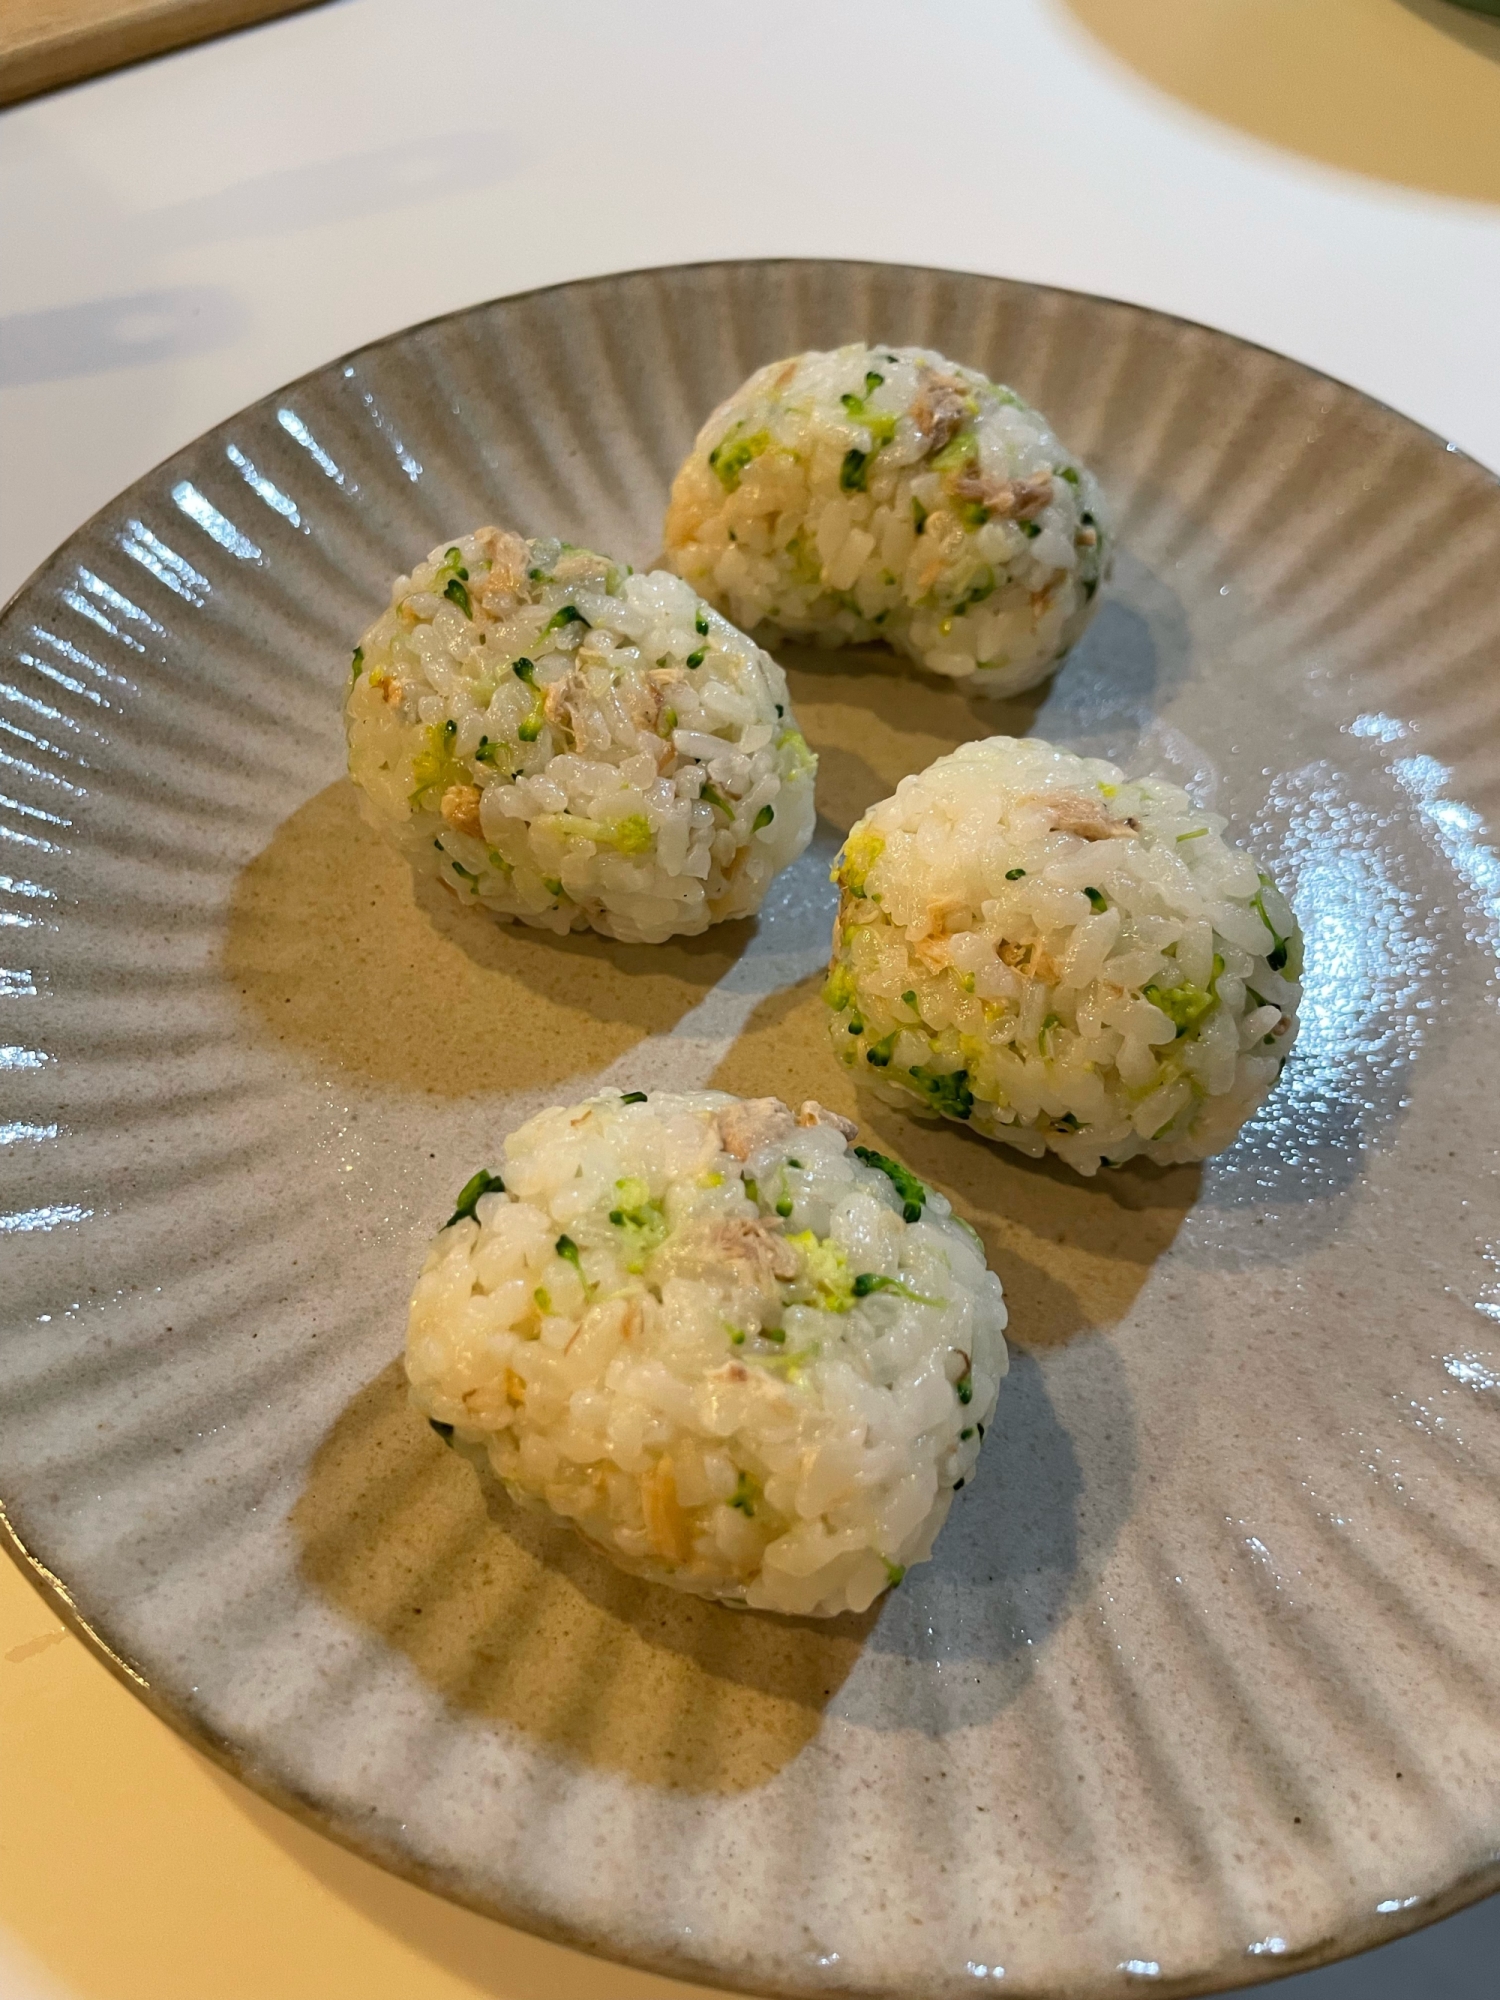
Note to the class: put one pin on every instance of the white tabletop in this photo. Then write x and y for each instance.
(1322, 176)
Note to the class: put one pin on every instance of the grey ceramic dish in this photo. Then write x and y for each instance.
(1204, 1681)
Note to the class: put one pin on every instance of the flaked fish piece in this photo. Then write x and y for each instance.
(506, 554)
(1006, 499)
(460, 808)
(810, 1112)
(1090, 819)
(754, 1122)
(746, 1251)
(943, 405)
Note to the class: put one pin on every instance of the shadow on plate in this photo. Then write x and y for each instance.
(1024, 1544)
(873, 717)
(343, 955)
(511, 1616)
(1405, 91)
(1111, 696)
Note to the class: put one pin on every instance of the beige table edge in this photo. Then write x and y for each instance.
(101, 1802)
(47, 43)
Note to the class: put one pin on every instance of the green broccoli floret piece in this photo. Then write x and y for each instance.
(912, 1192)
(733, 453)
(874, 1281)
(949, 1094)
(471, 1193)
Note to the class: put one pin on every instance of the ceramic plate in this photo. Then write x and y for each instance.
(1204, 1682)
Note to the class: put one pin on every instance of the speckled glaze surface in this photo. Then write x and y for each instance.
(1203, 1683)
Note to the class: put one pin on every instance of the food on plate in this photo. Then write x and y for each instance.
(576, 746)
(743, 1356)
(887, 493)
(1064, 959)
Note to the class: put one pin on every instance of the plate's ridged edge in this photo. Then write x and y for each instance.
(306, 1811)
(576, 286)
(1460, 1895)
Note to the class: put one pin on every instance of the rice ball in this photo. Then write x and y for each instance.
(571, 745)
(887, 493)
(742, 1356)
(1072, 962)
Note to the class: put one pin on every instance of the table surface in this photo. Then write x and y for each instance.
(179, 238)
